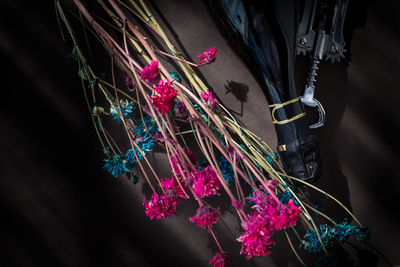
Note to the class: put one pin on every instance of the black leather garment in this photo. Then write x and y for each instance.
(263, 33)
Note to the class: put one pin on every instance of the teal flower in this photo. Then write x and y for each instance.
(175, 76)
(272, 157)
(329, 235)
(145, 136)
(127, 110)
(287, 195)
(226, 170)
(117, 165)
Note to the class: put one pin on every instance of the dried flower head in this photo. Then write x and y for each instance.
(172, 188)
(206, 182)
(205, 216)
(208, 56)
(220, 259)
(163, 97)
(209, 99)
(160, 207)
(151, 73)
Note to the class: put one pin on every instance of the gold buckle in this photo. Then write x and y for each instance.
(281, 105)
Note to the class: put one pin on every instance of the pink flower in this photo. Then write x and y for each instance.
(220, 259)
(151, 73)
(208, 56)
(172, 188)
(256, 236)
(160, 207)
(206, 182)
(205, 217)
(163, 96)
(289, 216)
(210, 99)
(269, 216)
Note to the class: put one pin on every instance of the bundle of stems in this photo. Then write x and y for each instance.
(218, 134)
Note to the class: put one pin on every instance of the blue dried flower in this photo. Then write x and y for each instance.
(127, 110)
(328, 235)
(311, 242)
(344, 230)
(226, 170)
(146, 131)
(271, 157)
(175, 76)
(130, 156)
(147, 135)
(117, 165)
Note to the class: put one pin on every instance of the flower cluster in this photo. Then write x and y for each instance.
(160, 207)
(163, 96)
(151, 73)
(269, 216)
(206, 182)
(329, 235)
(220, 259)
(145, 132)
(208, 56)
(172, 188)
(205, 217)
(127, 110)
(117, 165)
(209, 99)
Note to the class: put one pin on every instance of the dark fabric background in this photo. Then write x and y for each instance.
(59, 208)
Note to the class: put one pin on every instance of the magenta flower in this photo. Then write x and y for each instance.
(160, 207)
(208, 56)
(209, 99)
(172, 188)
(256, 237)
(269, 216)
(163, 96)
(220, 259)
(205, 217)
(206, 182)
(151, 73)
(289, 216)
